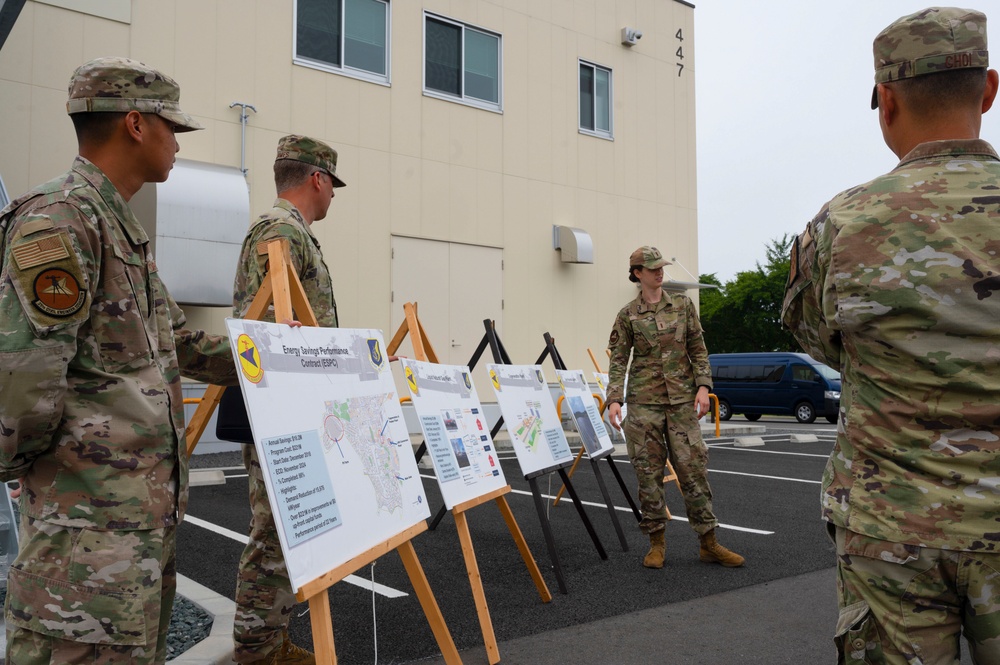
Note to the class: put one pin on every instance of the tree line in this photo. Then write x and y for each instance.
(744, 314)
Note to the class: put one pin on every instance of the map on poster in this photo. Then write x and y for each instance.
(455, 429)
(530, 417)
(585, 414)
(329, 432)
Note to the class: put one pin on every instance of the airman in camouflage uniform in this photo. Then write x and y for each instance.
(897, 283)
(92, 350)
(669, 371)
(305, 173)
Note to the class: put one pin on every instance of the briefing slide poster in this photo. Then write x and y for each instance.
(601, 379)
(583, 407)
(455, 430)
(329, 431)
(530, 417)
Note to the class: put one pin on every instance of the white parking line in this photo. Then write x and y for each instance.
(629, 510)
(730, 446)
(757, 475)
(367, 585)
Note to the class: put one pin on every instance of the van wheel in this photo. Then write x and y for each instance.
(752, 417)
(804, 412)
(725, 411)
(832, 419)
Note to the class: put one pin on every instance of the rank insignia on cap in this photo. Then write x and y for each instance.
(57, 293)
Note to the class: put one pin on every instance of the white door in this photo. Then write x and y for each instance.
(456, 287)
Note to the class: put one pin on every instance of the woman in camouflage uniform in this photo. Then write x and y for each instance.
(661, 332)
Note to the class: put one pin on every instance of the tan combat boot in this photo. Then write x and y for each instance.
(290, 654)
(712, 552)
(657, 550)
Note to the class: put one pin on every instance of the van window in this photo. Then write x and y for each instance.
(803, 373)
(829, 372)
(774, 373)
(749, 373)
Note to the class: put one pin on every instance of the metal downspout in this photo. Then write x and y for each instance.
(243, 132)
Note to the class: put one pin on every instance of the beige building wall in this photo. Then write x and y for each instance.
(416, 166)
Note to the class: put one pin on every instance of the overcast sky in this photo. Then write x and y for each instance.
(783, 90)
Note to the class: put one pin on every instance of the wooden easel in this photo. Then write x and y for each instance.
(281, 286)
(422, 350)
(500, 356)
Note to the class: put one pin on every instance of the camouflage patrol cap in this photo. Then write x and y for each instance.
(310, 151)
(936, 39)
(122, 85)
(647, 257)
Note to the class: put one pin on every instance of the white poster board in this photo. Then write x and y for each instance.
(455, 430)
(530, 417)
(601, 379)
(582, 406)
(329, 432)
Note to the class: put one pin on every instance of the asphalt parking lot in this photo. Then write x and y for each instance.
(765, 496)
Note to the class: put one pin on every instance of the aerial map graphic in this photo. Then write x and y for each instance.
(529, 427)
(362, 422)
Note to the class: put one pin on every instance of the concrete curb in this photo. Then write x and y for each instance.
(217, 648)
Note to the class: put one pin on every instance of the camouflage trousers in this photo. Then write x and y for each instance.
(909, 605)
(651, 432)
(264, 598)
(86, 596)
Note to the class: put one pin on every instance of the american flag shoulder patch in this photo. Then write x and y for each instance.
(39, 251)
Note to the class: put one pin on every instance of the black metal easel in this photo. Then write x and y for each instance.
(552, 352)
(500, 356)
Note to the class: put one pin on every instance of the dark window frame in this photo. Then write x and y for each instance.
(462, 96)
(340, 67)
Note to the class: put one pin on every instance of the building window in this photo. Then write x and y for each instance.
(595, 100)
(461, 62)
(344, 36)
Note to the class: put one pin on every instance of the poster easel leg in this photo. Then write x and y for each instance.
(209, 402)
(437, 518)
(611, 508)
(423, 590)
(482, 609)
(572, 470)
(583, 514)
(621, 483)
(322, 628)
(522, 547)
(550, 542)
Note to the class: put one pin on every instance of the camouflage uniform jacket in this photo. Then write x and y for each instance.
(91, 351)
(285, 221)
(897, 284)
(669, 358)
